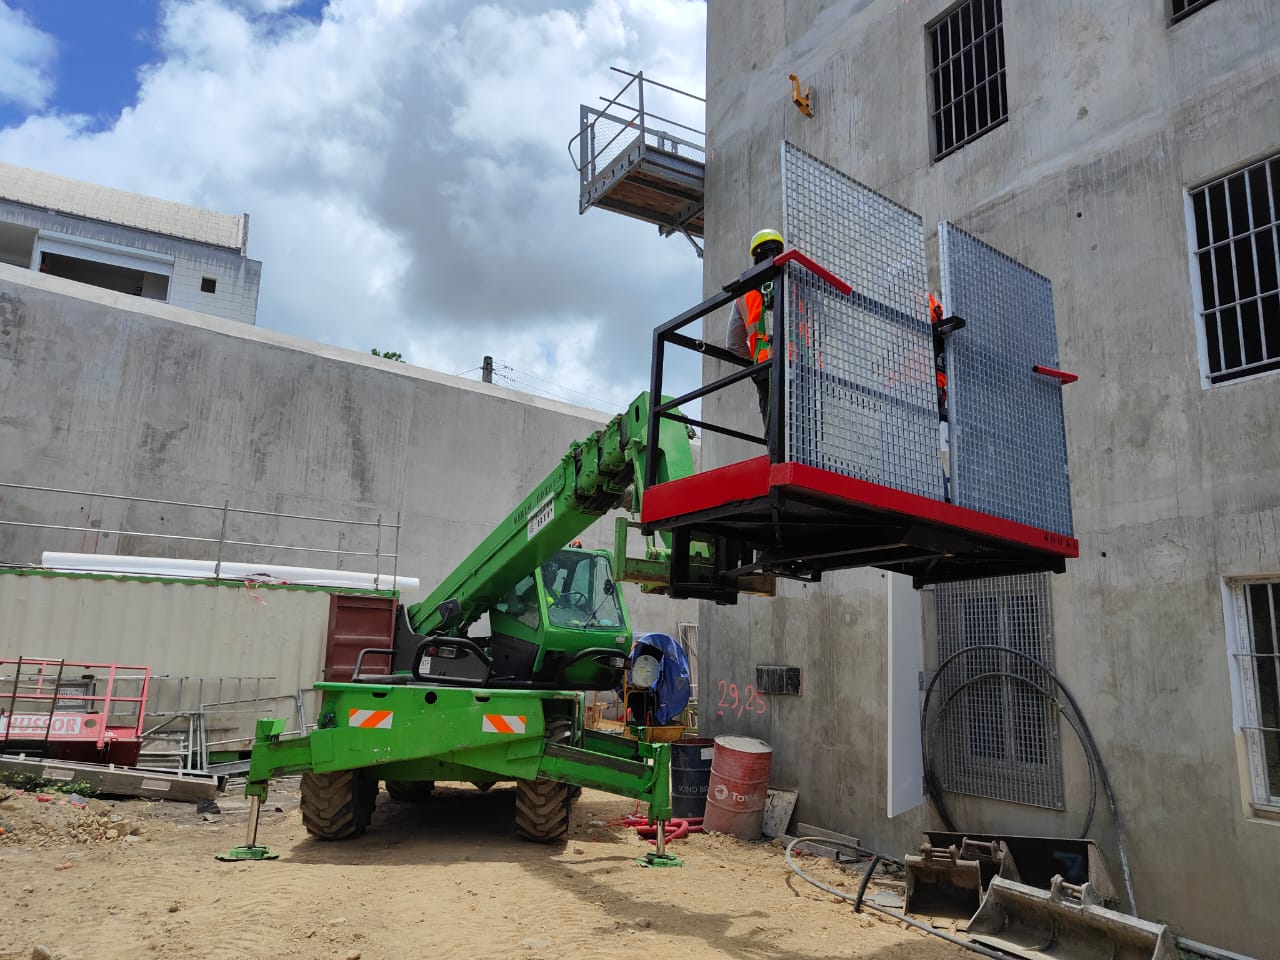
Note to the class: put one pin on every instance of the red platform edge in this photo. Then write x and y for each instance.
(752, 479)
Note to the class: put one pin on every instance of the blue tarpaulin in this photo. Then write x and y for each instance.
(673, 678)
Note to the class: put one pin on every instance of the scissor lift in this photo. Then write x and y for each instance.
(89, 712)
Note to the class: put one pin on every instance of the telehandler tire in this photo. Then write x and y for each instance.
(410, 791)
(543, 806)
(542, 809)
(337, 806)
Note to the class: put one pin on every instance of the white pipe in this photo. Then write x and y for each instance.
(204, 569)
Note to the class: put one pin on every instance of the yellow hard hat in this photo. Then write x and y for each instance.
(763, 236)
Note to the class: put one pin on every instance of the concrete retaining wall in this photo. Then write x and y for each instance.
(100, 392)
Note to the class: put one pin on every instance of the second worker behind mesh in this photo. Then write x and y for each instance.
(748, 335)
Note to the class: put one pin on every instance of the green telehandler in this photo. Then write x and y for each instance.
(449, 706)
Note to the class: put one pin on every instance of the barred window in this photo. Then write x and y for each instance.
(1257, 658)
(967, 75)
(1181, 9)
(1236, 260)
(998, 735)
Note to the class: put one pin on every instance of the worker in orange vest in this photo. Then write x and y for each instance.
(749, 335)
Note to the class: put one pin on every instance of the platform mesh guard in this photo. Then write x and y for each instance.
(859, 368)
(1008, 439)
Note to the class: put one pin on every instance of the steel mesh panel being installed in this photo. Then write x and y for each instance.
(1008, 440)
(859, 368)
(997, 737)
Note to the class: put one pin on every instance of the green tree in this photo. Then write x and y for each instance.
(388, 354)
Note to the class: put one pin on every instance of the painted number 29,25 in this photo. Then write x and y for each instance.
(738, 702)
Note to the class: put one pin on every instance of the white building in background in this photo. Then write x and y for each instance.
(129, 243)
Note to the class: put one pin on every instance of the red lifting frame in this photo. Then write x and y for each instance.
(804, 520)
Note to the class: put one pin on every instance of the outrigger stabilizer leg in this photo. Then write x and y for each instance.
(659, 857)
(251, 850)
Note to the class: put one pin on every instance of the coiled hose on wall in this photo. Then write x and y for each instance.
(1074, 717)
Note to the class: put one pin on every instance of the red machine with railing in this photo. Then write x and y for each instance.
(68, 710)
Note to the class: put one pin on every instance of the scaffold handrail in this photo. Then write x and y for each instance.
(629, 117)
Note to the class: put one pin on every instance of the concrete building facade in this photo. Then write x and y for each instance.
(121, 241)
(1097, 156)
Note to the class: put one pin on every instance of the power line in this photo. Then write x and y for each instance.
(555, 391)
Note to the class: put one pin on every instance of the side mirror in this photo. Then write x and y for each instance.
(610, 588)
(450, 610)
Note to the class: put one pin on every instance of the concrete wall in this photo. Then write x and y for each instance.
(237, 277)
(103, 393)
(1113, 115)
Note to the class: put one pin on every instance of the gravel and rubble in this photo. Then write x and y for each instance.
(34, 818)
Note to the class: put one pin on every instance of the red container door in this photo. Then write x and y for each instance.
(355, 623)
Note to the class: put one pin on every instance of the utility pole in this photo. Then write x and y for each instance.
(486, 371)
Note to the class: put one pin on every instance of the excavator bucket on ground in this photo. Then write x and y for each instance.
(1065, 922)
(947, 882)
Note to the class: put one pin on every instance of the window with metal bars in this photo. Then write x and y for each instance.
(1257, 656)
(997, 734)
(967, 74)
(1181, 9)
(1236, 261)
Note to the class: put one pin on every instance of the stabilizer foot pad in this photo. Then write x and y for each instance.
(247, 853)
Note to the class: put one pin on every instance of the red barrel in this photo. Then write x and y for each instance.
(739, 787)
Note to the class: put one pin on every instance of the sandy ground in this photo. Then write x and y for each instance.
(445, 879)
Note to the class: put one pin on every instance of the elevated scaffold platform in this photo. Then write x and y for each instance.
(929, 446)
(640, 163)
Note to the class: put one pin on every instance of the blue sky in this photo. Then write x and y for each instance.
(403, 162)
(99, 47)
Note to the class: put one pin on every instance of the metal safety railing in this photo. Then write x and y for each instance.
(770, 273)
(42, 703)
(384, 547)
(195, 717)
(606, 133)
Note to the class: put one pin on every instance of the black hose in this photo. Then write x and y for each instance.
(866, 878)
(934, 790)
(1071, 721)
(835, 891)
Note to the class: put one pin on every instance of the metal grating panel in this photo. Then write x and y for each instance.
(998, 737)
(1008, 440)
(859, 369)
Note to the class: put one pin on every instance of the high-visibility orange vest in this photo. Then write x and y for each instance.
(751, 306)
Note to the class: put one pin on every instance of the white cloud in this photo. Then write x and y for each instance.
(404, 163)
(27, 56)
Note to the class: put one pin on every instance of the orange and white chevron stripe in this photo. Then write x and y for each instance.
(500, 723)
(370, 719)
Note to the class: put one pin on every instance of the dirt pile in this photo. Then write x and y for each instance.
(52, 819)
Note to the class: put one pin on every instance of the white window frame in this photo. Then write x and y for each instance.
(1193, 266)
(1245, 713)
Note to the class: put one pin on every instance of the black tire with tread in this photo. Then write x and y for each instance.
(543, 806)
(410, 791)
(337, 806)
(542, 809)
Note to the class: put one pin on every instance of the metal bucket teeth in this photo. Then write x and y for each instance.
(1064, 922)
